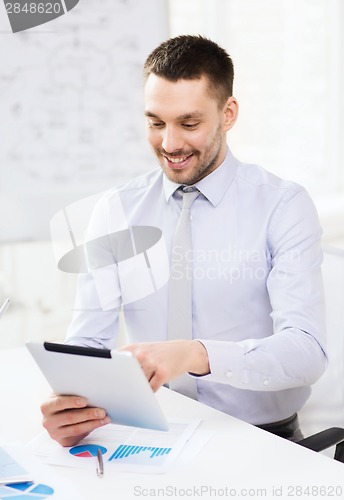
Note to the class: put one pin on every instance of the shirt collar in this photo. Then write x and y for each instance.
(214, 185)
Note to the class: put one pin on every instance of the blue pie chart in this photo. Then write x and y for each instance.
(24, 491)
(87, 450)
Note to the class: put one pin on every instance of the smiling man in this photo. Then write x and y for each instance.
(256, 338)
(189, 145)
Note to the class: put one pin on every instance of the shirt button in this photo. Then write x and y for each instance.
(229, 374)
(266, 382)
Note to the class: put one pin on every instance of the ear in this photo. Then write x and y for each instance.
(230, 110)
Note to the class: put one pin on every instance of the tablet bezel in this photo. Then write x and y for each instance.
(112, 380)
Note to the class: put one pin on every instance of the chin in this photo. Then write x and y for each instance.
(180, 177)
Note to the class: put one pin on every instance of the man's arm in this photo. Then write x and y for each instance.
(167, 360)
(293, 354)
(93, 325)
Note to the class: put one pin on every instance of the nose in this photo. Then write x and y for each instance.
(172, 139)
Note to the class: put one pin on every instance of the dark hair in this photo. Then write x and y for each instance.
(191, 57)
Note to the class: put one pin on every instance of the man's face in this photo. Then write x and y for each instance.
(185, 127)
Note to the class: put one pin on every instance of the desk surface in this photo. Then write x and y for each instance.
(238, 459)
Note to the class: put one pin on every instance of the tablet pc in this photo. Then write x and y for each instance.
(112, 380)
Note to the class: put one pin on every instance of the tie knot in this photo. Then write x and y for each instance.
(189, 194)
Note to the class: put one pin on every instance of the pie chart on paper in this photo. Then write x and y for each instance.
(87, 450)
(25, 491)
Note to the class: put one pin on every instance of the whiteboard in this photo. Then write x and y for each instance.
(71, 107)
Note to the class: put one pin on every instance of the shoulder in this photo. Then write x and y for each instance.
(284, 200)
(135, 187)
(110, 211)
(141, 183)
(262, 180)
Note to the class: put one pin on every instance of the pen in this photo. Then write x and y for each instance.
(100, 464)
(4, 307)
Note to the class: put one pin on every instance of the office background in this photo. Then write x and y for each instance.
(72, 124)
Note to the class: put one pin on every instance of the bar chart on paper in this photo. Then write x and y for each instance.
(140, 455)
(128, 448)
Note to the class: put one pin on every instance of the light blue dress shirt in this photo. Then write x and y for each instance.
(257, 290)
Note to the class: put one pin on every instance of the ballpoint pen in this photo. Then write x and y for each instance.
(100, 464)
(4, 307)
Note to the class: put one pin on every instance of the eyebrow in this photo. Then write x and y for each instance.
(186, 116)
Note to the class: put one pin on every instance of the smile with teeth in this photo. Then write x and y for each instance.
(179, 159)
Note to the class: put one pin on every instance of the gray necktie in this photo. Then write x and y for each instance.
(180, 289)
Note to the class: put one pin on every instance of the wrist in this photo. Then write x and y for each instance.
(199, 359)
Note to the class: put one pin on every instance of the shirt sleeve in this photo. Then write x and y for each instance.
(92, 325)
(294, 355)
(95, 321)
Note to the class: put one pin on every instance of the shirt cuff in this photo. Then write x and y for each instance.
(226, 362)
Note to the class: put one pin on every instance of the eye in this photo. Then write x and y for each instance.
(155, 124)
(190, 125)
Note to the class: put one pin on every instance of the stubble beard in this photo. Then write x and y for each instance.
(209, 162)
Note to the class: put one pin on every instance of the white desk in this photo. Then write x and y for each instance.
(238, 458)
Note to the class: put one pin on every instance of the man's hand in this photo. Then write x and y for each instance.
(68, 419)
(165, 361)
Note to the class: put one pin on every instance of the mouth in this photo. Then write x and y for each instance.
(177, 162)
